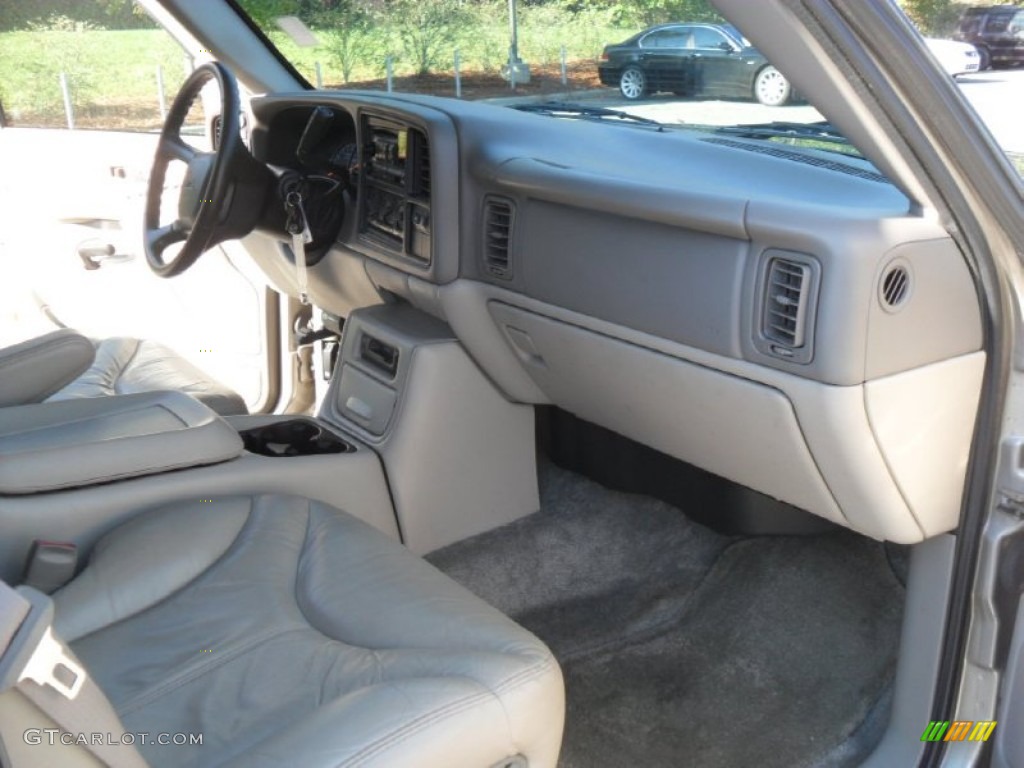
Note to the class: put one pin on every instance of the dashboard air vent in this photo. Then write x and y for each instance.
(499, 217)
(788, 305)
(422, 178)
(784, 304)
(895, 286)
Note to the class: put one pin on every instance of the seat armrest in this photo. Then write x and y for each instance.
(73, 443)
(32, 370)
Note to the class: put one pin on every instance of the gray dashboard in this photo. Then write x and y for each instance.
(780, 302)
(672, 234)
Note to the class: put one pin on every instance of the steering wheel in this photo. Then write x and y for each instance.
(224, 191)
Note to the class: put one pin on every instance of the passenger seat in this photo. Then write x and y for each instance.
(65, 365)
(282, 632)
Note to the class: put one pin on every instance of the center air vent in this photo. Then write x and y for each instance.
(499, 217)
(421, 179)
(788, 303)
(894, 287)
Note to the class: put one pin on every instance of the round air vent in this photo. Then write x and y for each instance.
(894, 289)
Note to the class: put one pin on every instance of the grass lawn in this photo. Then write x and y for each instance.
(109, 73)
(113, 74)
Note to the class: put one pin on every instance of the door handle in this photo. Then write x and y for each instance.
(93, 255)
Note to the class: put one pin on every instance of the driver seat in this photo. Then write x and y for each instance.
(65, 365)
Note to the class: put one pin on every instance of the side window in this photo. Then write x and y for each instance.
(997, 22)
(673, 38)
(708, 38)
(655, 39)
(91, 64)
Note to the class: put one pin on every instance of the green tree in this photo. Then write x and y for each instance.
(427, 31)
(347, 36)
(647, 12)
(937, 18)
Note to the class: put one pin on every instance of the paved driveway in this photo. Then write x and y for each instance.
(997, 96)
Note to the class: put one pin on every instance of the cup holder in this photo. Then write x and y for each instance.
(292, 438)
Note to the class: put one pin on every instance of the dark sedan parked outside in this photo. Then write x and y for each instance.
(692, 59)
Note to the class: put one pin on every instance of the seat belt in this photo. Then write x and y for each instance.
(37, 665)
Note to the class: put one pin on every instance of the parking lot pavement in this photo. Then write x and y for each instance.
(996, 95)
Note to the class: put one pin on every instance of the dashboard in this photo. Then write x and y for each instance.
(782, 318)
(379, 161)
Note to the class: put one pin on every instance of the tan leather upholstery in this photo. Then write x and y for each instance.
(289, 633)
(126, 366)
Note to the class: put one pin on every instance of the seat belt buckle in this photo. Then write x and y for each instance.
(49, 665)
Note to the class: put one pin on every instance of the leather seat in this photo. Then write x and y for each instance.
(65, 365)
(291, 634)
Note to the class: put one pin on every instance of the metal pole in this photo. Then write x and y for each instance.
(68, 108)
(513, 25)
(319, 77)
(160, 93)
(565, 77)
(458, 76)
(387, 69)
(513, 48)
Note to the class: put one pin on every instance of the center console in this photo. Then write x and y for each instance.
(459, 457)
(412, 438)
(72, 470)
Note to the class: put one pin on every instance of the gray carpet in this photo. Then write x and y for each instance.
(682, 647)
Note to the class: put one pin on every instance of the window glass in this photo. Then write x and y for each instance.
(666, 38)
(88, 64)
(1017, 23)
(705, 37)
(998, 22)
(576, 55)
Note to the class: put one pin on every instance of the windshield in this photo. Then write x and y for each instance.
(542, 53)
(678, 64)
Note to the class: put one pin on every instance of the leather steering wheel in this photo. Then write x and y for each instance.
(223, 191)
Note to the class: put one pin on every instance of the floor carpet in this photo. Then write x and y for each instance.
(684, 647)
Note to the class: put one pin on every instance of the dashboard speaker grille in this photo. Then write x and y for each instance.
(499, 218)
(784, 319)
(895, 286)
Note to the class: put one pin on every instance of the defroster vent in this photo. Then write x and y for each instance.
(789, 298)
(499, 219)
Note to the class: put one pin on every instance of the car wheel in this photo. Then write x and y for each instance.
(771, 88)
(984, 58)
(633, 83)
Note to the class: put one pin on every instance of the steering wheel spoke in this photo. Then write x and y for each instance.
(175, 148)
(158, 240)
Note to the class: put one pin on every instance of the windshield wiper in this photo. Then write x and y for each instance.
(579, 111)
(821, 131)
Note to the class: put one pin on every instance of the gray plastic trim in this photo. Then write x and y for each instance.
(924, 619)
